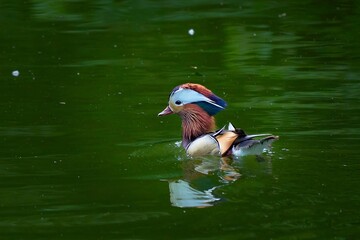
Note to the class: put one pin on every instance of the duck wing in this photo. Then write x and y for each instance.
(251, 146)
(226, 141)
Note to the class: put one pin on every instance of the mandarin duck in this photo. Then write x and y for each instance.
(197, 105)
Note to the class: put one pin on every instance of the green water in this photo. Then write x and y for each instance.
(83, 154)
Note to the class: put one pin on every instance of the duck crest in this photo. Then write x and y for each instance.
(198, 88)
(204, 91)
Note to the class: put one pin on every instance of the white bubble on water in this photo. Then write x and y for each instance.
(15, 73)
(191, 31)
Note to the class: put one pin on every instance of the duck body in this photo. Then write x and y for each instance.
(197, 105)
(230, 141)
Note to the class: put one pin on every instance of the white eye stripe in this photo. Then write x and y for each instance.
(186, 96)
(174, 92)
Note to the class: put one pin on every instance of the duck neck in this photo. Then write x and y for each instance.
(195, 122)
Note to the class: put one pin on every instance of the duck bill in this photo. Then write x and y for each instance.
(166, 111)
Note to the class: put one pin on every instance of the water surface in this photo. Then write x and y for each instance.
(83, 154)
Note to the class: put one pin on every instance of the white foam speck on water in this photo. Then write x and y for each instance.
(191, 32)
(15, 73)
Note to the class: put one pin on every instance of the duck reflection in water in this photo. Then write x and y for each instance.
(197, 105)
(202, 176)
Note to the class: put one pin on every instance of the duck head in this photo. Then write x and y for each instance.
(196, 105)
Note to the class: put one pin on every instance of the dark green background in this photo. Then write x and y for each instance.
(83, 154)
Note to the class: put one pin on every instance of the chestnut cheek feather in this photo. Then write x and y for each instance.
(195, 122)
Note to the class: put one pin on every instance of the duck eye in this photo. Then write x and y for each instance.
(178, 102)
